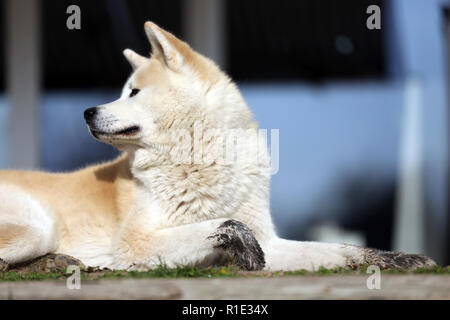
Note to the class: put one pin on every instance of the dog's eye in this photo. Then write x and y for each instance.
(134, 92)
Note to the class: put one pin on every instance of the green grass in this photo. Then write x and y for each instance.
(321, 272)
(435, 270)
(196, 272)
(163, 271)
(14, 276)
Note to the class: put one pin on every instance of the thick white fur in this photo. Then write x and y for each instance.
(20, 209)
(174, 207)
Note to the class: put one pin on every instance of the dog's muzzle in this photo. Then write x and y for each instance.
(101, 127)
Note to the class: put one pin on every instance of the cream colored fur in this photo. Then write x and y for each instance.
(155, 203)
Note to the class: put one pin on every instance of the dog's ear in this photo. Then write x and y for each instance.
(136, 60)
(166, 46)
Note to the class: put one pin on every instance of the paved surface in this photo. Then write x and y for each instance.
(304, 287)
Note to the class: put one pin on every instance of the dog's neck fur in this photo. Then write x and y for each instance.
(187, 193)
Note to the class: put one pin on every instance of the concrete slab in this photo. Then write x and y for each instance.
(301, 287)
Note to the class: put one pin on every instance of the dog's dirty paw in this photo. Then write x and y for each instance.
(238, 241)
(397, 260)
(3, 265)
(63, 261)
(48, 263)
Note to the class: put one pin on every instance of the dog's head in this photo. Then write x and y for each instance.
(173, 89)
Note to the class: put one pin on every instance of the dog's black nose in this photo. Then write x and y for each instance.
(90, 113)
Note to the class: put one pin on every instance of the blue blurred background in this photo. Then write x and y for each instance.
(359, 111)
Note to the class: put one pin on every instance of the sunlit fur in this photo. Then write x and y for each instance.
(141, 209)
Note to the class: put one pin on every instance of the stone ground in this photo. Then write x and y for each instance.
(409, 286)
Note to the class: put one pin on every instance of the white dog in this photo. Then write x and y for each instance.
(172, 196)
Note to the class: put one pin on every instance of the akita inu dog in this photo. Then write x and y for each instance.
(144, 207)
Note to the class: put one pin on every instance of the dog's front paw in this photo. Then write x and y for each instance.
(238, 241)
(3, 266)
(48, 263)
(396, 260)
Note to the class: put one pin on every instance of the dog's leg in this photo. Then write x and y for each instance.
(3, 265)
(27, 231)
(51, 262)
(284, 254)
(288, 255)
(198, 243)
(238, 241)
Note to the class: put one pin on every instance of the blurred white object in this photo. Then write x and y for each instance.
(409, 217)
(330, 232)
(23, 81)
(205, 28)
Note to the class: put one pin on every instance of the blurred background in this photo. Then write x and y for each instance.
(363, 114)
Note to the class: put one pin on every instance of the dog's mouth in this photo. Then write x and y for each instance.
(126, 132)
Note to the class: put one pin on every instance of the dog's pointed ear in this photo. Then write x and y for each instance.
(166, 46)
(136, 60)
